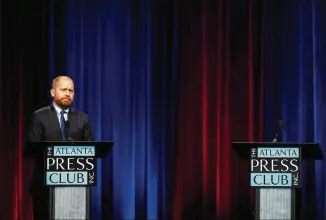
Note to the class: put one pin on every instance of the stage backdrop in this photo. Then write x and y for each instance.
(295, 50)
(123, 56)
(173, 83)
(24, 87)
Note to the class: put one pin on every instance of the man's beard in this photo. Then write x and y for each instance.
(64, 103)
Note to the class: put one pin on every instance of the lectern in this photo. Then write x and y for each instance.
(275, 173)
(70, 169)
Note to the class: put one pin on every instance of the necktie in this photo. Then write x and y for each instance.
(63, 125)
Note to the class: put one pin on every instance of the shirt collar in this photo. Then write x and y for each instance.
(58, 109)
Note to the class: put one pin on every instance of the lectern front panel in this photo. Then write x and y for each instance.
(70, 169)
(275, 170)
(275, 204)
(70, 203)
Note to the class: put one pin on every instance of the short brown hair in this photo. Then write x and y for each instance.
(56, 80)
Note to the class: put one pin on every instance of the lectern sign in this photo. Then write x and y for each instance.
(275, 167)
(70, 166)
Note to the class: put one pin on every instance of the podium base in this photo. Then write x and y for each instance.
(69, 203)
(276, 204)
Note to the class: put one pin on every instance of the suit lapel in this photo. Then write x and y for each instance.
(71, 117)
(73, 121)
(55, 122)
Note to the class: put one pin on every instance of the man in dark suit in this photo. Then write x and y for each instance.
(50, 124)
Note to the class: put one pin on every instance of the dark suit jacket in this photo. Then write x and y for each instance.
(45, 126)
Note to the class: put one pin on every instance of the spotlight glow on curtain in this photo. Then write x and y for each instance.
(116, 53)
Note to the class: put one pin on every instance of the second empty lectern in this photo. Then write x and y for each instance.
(275, 201)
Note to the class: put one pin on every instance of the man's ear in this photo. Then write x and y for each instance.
(52, 92)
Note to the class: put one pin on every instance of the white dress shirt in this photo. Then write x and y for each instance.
(58, 110)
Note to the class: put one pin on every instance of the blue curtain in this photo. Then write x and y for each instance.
(125, 80)
(123, 58)
(295, 80)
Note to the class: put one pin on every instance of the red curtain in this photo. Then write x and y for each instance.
(220, 102)
(15, 200)
(22, 86)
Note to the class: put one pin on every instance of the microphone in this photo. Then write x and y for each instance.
(281, 124)
(67, 126)
(279, 135)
